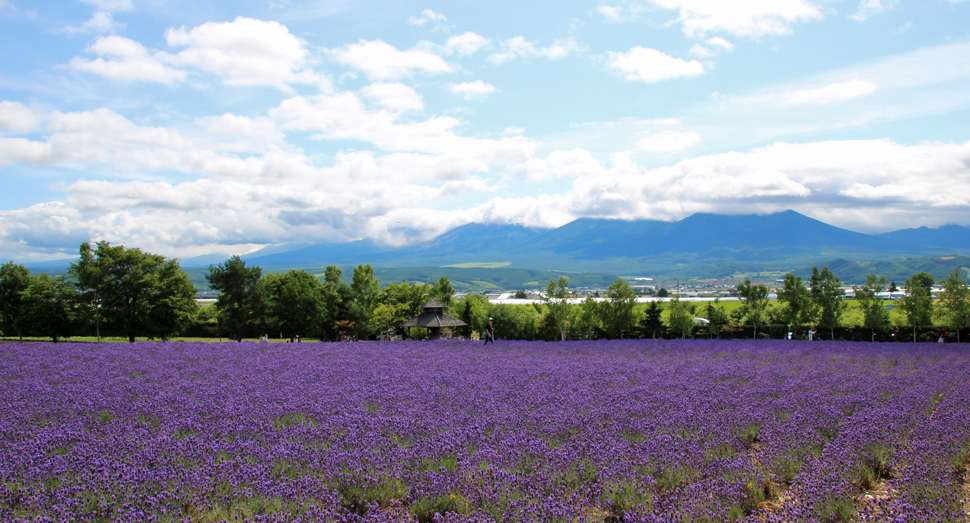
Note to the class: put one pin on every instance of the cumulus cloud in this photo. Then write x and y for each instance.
(668, 141)
(244, 52)
(837, 92)
(715, 45)
(382, 61)
(649, 65)
(519, 47)
(126, 60)
(476, 90)
(17, 117)
(102, 20)
(466, 44)
(699, 18)
(394, 96)
(870, 8)
(429, 17)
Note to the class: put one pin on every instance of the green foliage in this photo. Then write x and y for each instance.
(557, 301)
(797, 300)
(14, 280)
(587, 322)
(296, 303)
(619, 310)
(827, 293)
(681, 318)
(917, 305)
(49, 307)
(954, 311)
(143, 293)
(240, 304)
(754, 301)
(875, 314)
(716, 315)
(514, 322)
(652, 321)
(443, 292)
(425, 509)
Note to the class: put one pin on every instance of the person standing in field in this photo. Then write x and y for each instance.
(489, 332)
(811, 333)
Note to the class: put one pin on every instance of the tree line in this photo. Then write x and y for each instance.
(122, 291)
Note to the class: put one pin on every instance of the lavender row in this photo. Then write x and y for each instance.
(633, 430)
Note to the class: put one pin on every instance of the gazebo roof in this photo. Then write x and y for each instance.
(434, 317)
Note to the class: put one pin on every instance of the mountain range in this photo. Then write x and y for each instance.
(590, 244)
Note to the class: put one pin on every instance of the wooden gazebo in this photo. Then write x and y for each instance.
(434, 319)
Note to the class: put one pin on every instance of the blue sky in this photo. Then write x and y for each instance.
(189, 128)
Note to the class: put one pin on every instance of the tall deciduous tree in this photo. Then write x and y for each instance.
(875, 316)
(827, 293)
(143, 293)
(14, 280)
(589, 319)
(89, 273)
(619, 309)
(50, 307)
(241, 304)
(754, 301)
(917, 305)
(954, 309)
(797, 300)
(681, 319)
(557, 301)
(365, 290)
(297, 303)
(716, 315)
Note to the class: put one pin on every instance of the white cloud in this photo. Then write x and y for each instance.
(715, 45)
(126, 60)
(111, 6)
(651, 66)
(382, 61)
(466, 44)
(668, 141)
(519, 47)
(838, 92)
(102, 20)
(698, 18)
(17, 117)
(870, 8)
(394, 96)
(476, 90)
(245, 52)
(438, 20)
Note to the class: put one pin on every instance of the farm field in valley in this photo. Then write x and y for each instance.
(629, 430)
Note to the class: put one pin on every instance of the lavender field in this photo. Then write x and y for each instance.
(690, 430)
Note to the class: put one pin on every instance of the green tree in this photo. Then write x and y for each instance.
(89, 273)
(797, 300)
(365, 290)
(917, 305)
(14, 280)
(297, 303)
(681, 318)
(754, 301)
(143, 293)
(588, 319)
(652, 320)
(241, 304)
(619, 310)
(954, 309)
(716, 315)
(338, 298)
(50, 307)
(662, 293)
(557, 301)
(874, 313)
(399, 302)
(443, 292)
(827, 293)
